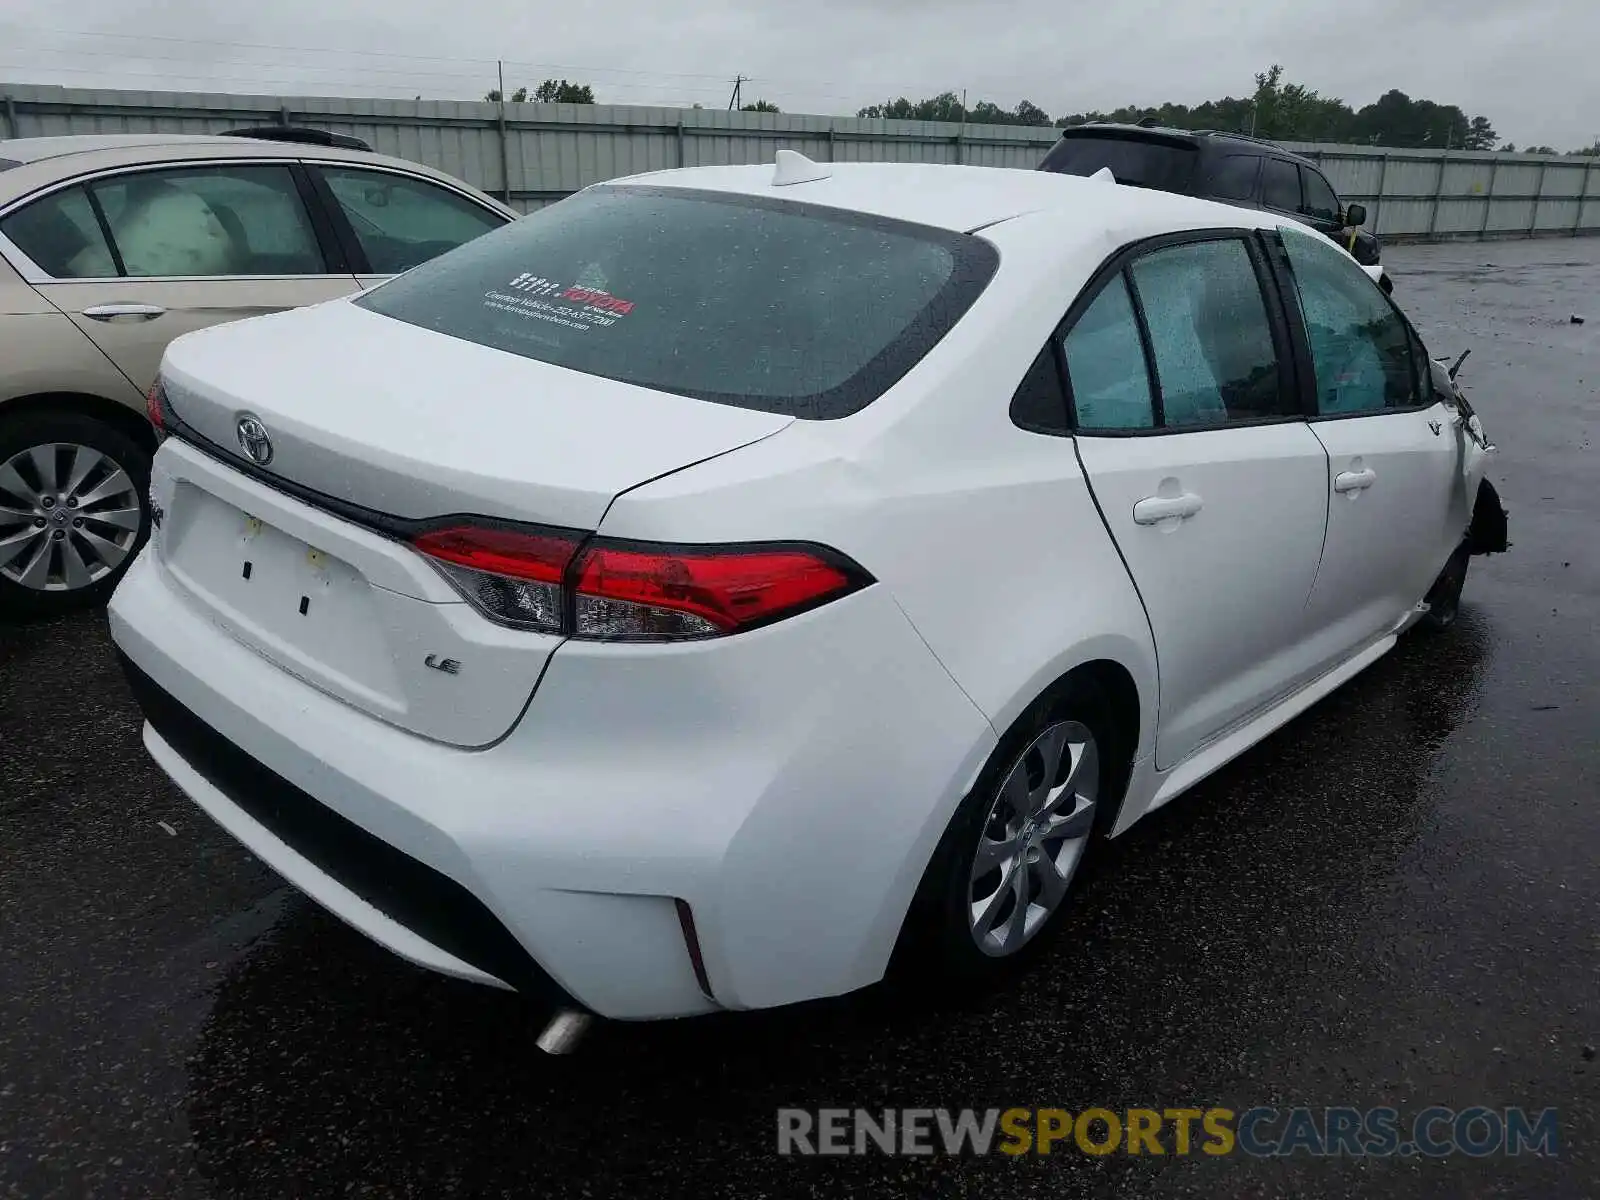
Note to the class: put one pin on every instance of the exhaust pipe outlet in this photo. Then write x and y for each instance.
(565, 1031)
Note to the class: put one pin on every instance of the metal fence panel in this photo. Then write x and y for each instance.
(1406, 177)
(551, 150)
(1398, 217)
(1565, 179)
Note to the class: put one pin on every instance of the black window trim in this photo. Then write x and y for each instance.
(1283, 272)
(1292, 392)
(99, 212)
(1152, 376)
(334, 251)
(339, 227)
(1050, 357)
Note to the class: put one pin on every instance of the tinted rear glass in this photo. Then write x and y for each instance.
(1233, 177)
(7, 163)
(771, 305)
(1139, 162)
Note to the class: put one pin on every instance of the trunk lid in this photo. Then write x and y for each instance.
(411, 424)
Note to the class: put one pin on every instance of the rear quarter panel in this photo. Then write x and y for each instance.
(985, 534)
(18, 297)
(41, 351)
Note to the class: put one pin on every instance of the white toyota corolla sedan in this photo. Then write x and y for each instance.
(726, 581)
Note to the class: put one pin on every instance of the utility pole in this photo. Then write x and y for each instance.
(505, 154)
(961, 133)
(738, 93)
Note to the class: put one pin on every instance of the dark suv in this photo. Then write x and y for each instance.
(1229, 167)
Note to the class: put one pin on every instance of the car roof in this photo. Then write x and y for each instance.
(1198, 137)
(965, 199)
(37, 149)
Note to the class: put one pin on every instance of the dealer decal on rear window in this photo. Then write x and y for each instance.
(537, 298)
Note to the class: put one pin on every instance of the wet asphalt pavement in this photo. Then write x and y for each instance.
(1393, 901)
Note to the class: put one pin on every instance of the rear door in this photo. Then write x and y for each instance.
(1395, 485)
(391, 222)
(1189, 430)
(137, 258)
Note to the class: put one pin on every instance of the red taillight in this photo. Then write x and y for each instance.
(632, 591)
(155, 405)
(512, 576)
(537, 556)
(699, 592)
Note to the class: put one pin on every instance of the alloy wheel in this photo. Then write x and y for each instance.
(1033, 838)
(69, 516)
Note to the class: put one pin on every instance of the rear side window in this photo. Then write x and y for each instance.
(1138, 162)
(60, 234)
(771, 305)
(1209, 333)
(1233, 177)
(1280, 185)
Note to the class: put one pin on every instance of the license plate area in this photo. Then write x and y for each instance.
(281, 573)
(295, 603)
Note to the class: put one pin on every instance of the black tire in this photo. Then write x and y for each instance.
(937, 943)
(24, 431)
(1444, 597)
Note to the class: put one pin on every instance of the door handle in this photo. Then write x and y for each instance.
(1152, 510)
(124, 312)
(1354, 481)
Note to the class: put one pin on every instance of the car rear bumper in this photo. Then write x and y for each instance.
(787, 785)
(394, 899)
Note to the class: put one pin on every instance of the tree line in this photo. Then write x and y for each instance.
(551, 91)
(1277, 109)
(560, 91)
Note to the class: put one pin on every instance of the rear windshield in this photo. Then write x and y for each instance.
(772, 305)
(7, 163)
(1138, 162)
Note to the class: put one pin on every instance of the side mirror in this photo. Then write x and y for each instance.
(1355, 214)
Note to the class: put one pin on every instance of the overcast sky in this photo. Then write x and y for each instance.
(1528, 65)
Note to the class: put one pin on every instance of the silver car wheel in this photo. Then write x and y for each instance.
(1033, 838)
(69, 516)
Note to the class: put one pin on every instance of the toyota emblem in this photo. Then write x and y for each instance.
(253, 439)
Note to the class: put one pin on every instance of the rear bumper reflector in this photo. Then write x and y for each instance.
(691, 940)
